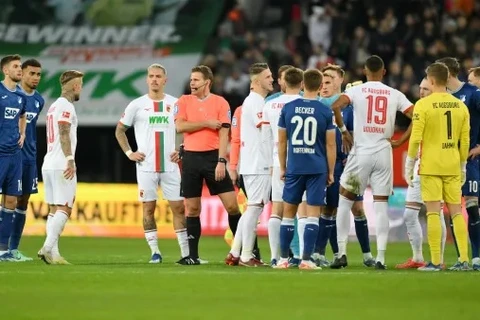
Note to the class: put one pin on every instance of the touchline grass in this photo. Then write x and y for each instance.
(111, 279)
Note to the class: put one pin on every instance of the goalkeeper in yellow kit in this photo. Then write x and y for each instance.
(441, 125)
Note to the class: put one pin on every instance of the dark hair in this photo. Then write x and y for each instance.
(31, 63)
(374, 64)
(257, 68)
(334, 68)
(439, 71)
(205, 71)
(312, 79)
(476, 71)
(284, 68)
(69, 75)
(7, 59)
(293, 77)
(452, 64)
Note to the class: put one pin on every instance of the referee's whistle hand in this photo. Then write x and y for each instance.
(214, 124)
(137, 156)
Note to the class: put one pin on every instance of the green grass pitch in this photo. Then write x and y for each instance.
(110, 279)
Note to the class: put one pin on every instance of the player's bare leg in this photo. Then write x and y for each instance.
(54, 230)
(18, 226)
(150, 229)
(8, 210)
(414, 231)
(361, 230)
(274, 232)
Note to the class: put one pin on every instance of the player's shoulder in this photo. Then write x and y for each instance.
(218, 99)
(273, 96)
(139, 101)
(61, 104)
(169, 98)
(38, 97)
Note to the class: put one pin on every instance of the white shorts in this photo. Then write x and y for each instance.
(413, 193)
(258, 187)
(277, 185)
(58, 190)
(376, 168)
(169, 182)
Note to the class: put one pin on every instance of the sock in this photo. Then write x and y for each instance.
(302, 222)
(333, 236)
(295, 244)
(414, 231)
(361, 230)
(237, 240)
(473, 226)
(249, 231)
(444, 234)
(460, 228)
(434, 232)
(152, 240)
(57, 224)
(453, 236)
(17, 229)
(1, 215)
(274, 236)
(6, 228)
(287, 230)
(255, 247)
(383, 227)
(182, 238)
(325, 228)
(343, 224)
(233, 222)
(194, 231)
(48, 228)
(309, 237)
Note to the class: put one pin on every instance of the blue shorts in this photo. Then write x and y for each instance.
(29, 178)
(314, 184)
(333, 194)
(470, 188)
(11, 174)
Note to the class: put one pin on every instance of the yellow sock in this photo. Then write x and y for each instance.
(461, 235)
(434, 232)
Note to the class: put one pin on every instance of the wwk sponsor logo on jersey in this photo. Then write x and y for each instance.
(158, 120)
(11, 113)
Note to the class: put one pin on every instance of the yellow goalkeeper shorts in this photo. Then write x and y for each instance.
(437, 188)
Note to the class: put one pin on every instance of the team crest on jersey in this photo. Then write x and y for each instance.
(141, 193)
(259, 115)
(37, 104)
(175, 108)
(463, 97)
(19, 100)
(229, 114)
(65, 114)
(169, 107)
(234, 121)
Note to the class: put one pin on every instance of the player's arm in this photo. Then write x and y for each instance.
(64, 125)
(282, 142)
(406, 135)
(465, 138)
(123, 125)
(224, 120)
(418, 126)
(184, 126)
(22, 123)
(267, 135)
(330, 139)
(342, 102)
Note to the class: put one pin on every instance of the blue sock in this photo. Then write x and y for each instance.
(361, 229)
(287, 230)
(310, 237)
(474, 230)
(454, 238)
(333, 235)
(6, 228)
(295, 245)
(324, 232)
(17, 229)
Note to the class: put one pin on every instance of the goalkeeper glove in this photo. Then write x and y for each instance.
(408, 173)
(353, 84)
(464, 172)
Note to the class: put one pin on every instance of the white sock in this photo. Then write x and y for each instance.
(56, 226)
(152, 240)
(343, 224)
(249, 231)
(55, 249)
(302, 222)
(444, 234)
(274, 236)
(237, 240)
(182, 238)
(414, 230)
(383, 227)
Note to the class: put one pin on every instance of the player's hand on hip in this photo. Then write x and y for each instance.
(175, 157)
(21, 140)
(220, 171)
(282, 174)
(69, 172)
(137, 156)
(234, 176)
(214, 124)
(347, 142)
(395, 143)
(330, 179)
(475, 152)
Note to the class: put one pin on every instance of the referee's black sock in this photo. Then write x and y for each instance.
(233, 222)
(194, 231)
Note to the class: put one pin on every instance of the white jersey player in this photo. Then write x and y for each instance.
(152, 118)
(375, 106)
(413, 205)
(271, 115)
(254, 165)
(58, 170)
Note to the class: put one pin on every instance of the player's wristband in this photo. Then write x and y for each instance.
(70, 158)
(128, 153)
(343, 128)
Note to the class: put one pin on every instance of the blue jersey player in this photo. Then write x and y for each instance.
(12, 133)
(31, 73)
(470, 95)
(306, 125)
